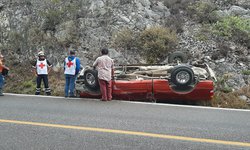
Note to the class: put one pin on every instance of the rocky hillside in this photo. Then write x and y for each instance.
(212, 31)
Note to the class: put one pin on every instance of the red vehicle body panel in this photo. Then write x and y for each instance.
(202, 91)
(155, 90)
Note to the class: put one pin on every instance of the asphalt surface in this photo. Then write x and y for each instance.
(48, 123)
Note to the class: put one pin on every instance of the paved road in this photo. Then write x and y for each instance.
(48, 123)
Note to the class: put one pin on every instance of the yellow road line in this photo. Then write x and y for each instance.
(163, 136)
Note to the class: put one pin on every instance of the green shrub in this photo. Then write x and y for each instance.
(58, 12)
(156, 42)
(153, 43)
(28, 84)
(202, 12)
(52, 18)
(246, 72)
(234, 28)
(221, 84)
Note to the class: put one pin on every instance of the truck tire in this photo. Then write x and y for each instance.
(91, 79)
(182, 76)
(177, 56)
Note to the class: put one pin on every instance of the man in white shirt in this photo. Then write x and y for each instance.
(105, 68)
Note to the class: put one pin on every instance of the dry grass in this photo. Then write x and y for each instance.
(57, 82)
(245, 91)
(231, 100)
(22, 80)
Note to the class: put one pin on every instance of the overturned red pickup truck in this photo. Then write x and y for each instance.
(158, 83)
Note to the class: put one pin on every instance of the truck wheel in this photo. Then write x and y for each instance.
(182, 76)
(177, 56)
(91, 79)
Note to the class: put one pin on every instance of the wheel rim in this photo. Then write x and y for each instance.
(90, 78)
(182, 77)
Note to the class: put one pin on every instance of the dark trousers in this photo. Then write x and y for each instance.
(39, 79)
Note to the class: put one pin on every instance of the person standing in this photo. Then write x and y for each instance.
(2, 67)
(71, 69)
(42, 67)
(105, 68)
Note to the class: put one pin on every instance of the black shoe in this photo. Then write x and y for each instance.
(72, 96)
(37, 93)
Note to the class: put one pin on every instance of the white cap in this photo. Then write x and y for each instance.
(41, 53)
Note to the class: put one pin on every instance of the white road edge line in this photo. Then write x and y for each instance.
(144, 103)
(188, 106)
(26, 95)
